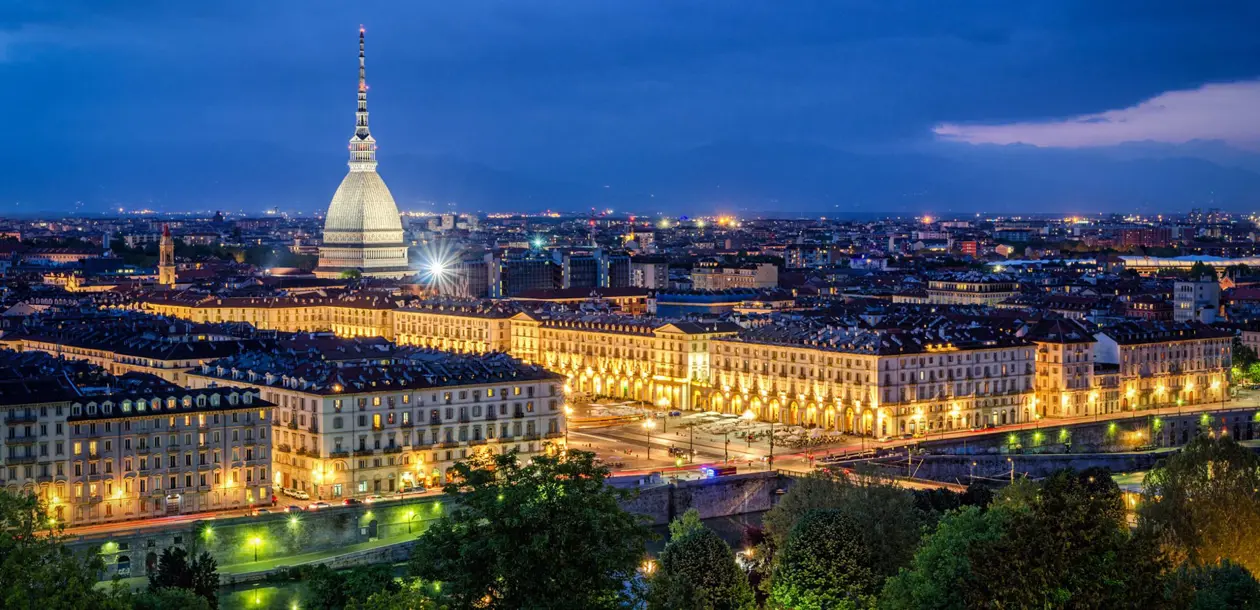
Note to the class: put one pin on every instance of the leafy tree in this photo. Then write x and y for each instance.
(824, 564)
(411, 595)
(1062, 544)
(941, 572)
(167, 598)
(199, 574)
(1224, 586)
(688, 522)
(326, 587)
(939, 500)
(548, 534)
(362, 582)
(888, 522)
(37, 569)
(1203, 504)
(1066, 546)
(697, 570)
(351, 274)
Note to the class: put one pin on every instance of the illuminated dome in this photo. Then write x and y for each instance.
(362, 230)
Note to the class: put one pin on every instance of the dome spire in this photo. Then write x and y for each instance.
(362, 145)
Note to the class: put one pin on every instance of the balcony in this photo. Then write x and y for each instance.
(293, 425)
(20, 418)
(363, 452)
(435, 421)
(408, 424)
(518, 414)
(283, 448)
(394, 449)
(21, 440)
(339, 454)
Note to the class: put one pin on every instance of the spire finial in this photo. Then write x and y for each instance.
(362, 146)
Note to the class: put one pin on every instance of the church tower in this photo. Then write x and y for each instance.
(166, 258)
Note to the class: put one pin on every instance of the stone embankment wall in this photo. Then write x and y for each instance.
(290, 537)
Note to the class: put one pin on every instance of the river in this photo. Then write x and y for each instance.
(292, 595)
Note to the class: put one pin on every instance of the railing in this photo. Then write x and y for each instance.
(339, 454)
(393, 449)
(21, 418)
(363, 452)
(282, 448)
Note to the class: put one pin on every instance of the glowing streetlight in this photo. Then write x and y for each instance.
(255, 542)
(649, 425)
(568, 412)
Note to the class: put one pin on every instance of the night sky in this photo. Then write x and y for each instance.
(746, 105)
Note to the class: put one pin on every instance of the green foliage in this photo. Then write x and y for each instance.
(548, 534)
(1199, 270)
(167, 598)
(688, 522)
(351, 274)
(1062, 544)
(411, 595)
(1066, 546)
(824, 564)
(37, 570)
(697, 570)
(1224, 586)
(199, 574)
(941, 571)
(330, 589)
(888, 522)
(1203, 504)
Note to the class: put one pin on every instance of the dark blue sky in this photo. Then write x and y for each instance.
(531, 103)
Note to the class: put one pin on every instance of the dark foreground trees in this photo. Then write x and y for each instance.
(546, 534)
(697, 571)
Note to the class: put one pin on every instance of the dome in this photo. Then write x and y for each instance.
(362, 212)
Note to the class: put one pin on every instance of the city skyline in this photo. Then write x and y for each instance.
(645, 107)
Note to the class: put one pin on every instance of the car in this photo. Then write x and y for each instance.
(990, 426)
(351, 502)
(262, 511)
(299, 494)
(317, 505)
(410, 490)
(373, 498)
(675, 413)
(293, 508)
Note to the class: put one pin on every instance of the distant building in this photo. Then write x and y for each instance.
(724, 277)
(1196, 299)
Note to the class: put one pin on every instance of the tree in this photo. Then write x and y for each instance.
(1224, 586)
(326, 588)
(823, 564)
(1066, 546)
(697, 570)
(167, 598)
(941, 572)
(888, 522)
(688, 522)
(411, 595)
(364, 581)
(1062, 544)
(37, 569)
(1203, 504)
(549, 534)
(199, 575)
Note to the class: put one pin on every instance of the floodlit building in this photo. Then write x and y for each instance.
(362, 230)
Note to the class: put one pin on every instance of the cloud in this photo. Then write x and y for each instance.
(1224, 111)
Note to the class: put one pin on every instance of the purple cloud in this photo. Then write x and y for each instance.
(1229, 112)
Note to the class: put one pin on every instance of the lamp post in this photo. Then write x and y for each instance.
(255, 542)
(726, 446)
(568, 411)
(663, 403)
(749, 416)
(411, 514)
(648, 425)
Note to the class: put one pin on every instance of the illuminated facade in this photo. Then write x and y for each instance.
(166, 258)
(971, 289)
(380, 424)
(362, 230)
(866, 382)
(665, 363)
(1166, 363)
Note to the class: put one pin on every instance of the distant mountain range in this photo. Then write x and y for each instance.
(768, 178)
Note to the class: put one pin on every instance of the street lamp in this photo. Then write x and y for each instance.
(663, 403)
(648, 425)
(568, 412)
(255, 542)
(749, 416)
(411, 514)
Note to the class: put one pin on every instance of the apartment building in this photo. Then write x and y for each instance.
(649, 359)
(971, 288)
(458, 326)
(919, 377)
(724, 277)
(392, 419)
(1168, 363)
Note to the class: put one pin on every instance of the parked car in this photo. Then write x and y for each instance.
(299, 494)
